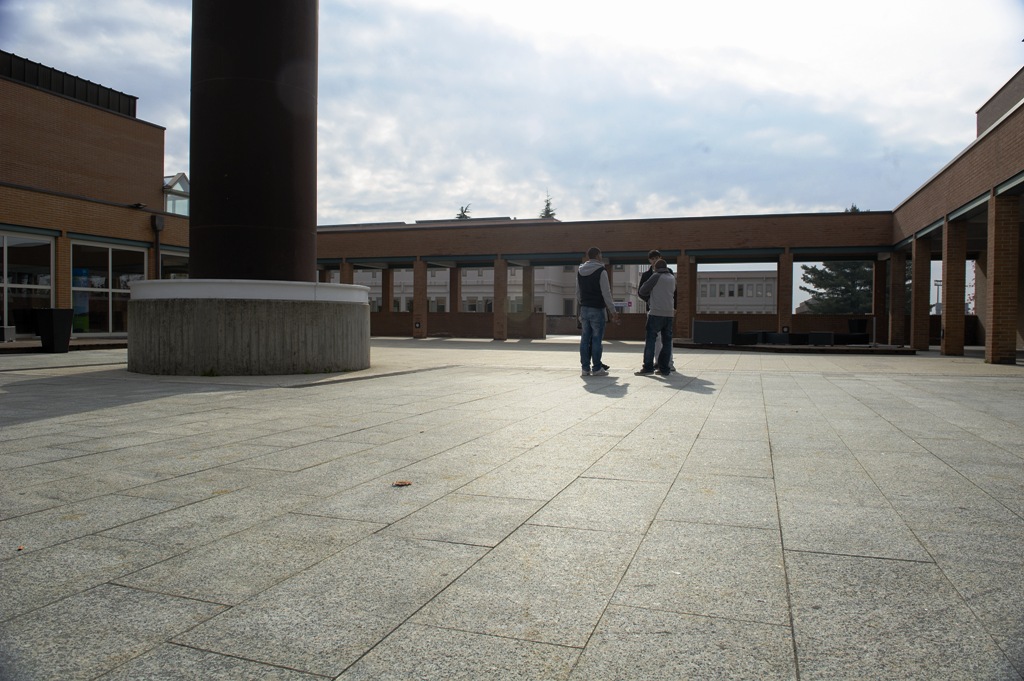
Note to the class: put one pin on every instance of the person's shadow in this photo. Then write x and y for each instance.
(674, 381)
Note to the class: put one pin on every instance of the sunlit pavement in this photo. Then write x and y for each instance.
(754, 516)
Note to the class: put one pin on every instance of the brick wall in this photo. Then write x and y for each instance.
(989, 161)
(62, 145)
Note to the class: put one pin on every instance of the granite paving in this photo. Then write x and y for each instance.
(474, 509)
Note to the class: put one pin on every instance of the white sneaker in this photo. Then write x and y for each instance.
(584, 373)
(599, 372)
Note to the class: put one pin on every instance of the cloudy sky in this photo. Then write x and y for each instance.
(639, 109)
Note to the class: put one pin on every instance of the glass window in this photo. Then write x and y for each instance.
(20, 305)
(703, 290)
(732, 290)
(760, 290)
(25, 281)
(100, 279)
(126, 267)
(173, 266)
(175, 203)
(90, 266)
(119, 312)
(739, 290)
(28, 261)
(768, 290)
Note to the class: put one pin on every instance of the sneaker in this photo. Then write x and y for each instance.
(599, 372)
(605, 366)
(644, 372)
(664, 373)
(585, 372)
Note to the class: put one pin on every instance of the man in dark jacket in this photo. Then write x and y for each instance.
(596, 306)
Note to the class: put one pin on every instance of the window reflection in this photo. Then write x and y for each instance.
(100, 281)
(25, 280)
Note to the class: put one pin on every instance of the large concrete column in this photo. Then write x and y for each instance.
(880, 320)
(1002, 297)
(346, 273)
(784, 302)
(920, 307)
(252, 304)
(954, 287)
(420, 301)
(253, 140)
(897, 298)
(500, 299)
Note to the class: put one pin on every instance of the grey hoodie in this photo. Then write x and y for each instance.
(661, 289)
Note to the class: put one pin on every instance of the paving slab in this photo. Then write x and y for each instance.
(751, 516)
(327, 617)
(687, 647)
(712, 570)
(420, 652)
(94, 632)
(854, 616)
(542, 584)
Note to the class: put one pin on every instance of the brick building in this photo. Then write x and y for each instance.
(82, 214)
(81, 199)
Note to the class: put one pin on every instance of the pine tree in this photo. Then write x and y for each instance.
(839, 287)
(548, 211)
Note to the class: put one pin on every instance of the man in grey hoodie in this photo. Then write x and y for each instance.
(596, 306)
(659, 290)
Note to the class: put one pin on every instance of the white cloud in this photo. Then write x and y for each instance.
(646, 109)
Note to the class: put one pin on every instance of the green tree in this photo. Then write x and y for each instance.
(463, 213)
(548, 211)
(838, 287)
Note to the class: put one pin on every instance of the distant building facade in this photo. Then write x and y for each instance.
(85, 209)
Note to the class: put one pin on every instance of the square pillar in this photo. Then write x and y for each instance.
(686, 296)
(880, 320)
(1002, 295)
(529, 283)
(784, 284)
(920, 286)
(346, 273)
(420, 303)
(954, 287)
(500, 299)
(62, 272)
(897, 298)
(455, 289)
(387, 290)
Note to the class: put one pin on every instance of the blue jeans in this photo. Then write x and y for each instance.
(592, 320)
(658, 326)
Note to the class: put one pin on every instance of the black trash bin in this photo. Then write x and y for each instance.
(54, 327)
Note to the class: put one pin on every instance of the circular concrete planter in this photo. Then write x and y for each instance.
(212, 327)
